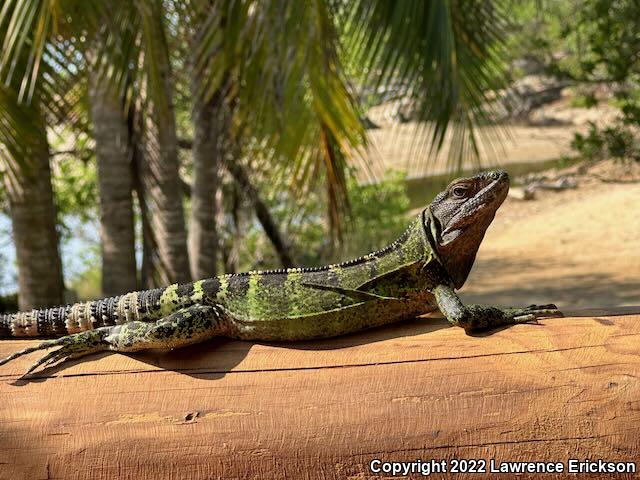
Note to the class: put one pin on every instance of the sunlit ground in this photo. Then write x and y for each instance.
(576, 248)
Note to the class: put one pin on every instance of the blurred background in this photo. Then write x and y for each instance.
(146, 142)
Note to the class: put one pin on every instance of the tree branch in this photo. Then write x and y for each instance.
(262, 212)
(265, 218)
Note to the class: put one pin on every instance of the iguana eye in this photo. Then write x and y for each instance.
(459, 191)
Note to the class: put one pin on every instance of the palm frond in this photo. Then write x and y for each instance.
(445, 56)
(41, 77)
(156, 54)
(18, 123)
(28, 27)
(291, 97)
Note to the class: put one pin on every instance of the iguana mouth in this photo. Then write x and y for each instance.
(479, 208)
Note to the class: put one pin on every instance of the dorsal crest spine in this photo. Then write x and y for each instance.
(348, 263)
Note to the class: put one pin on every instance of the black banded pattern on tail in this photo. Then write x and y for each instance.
(5, 326)
(47, 322)
(68, 319)
(146, 305)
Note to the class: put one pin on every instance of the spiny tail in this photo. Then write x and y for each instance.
(68, 319)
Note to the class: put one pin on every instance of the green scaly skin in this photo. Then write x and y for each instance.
(416, 274)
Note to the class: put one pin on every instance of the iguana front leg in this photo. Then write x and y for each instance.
(185, 327)
(472, 317)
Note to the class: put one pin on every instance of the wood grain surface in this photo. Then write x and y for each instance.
(567, 388)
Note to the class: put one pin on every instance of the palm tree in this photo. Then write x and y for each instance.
(115, 184)
(210, 116)
(134, 62)
(292, 108)
(27, 181)
(162, 176)
(25, 159)
(293, 100)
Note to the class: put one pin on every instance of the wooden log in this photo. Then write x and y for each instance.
(567, 388)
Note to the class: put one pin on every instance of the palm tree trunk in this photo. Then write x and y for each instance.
(148, 270)
(161, 176)
(33, 215)
(113, 155)
(208, 146)
(163, 194)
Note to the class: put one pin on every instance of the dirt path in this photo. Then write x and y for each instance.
(576, 248)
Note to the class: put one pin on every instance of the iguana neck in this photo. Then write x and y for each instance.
(458, 258)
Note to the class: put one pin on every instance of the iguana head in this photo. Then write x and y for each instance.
(458, 217)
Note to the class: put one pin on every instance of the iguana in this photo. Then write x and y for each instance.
(416, 274)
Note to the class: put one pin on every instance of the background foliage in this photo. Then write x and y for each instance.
(273, 97)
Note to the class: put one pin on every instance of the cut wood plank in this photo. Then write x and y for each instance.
(565, 389)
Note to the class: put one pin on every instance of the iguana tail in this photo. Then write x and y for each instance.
(68, 319)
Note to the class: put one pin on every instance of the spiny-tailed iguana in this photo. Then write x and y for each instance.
(414, 275)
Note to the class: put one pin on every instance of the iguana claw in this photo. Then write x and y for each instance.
(533, 312)
(72, 346)
(549, 306)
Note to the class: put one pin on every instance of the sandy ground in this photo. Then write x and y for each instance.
(576, 248)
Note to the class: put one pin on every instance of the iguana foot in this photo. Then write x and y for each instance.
(474, 317)
(182, 328)
(532, 313)
(71, 346)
